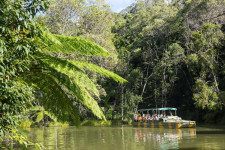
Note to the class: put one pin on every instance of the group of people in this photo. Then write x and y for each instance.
(148, 117)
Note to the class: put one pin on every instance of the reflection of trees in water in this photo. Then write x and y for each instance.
(162, 138)
(126, 138)
(110, 138)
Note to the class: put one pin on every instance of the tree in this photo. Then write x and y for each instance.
(33, 67)
(177, 47)
(17, 31)
(63, 16)
(205, 45)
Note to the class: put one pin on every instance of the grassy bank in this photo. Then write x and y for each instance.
(30, 124)
(105, 123)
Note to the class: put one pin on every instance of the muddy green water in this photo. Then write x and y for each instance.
(127, 138)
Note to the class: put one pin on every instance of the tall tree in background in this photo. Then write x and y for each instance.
(63, 16)
(95, 25)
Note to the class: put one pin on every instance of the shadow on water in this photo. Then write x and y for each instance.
(210, 129)
(211, 126)
(211, 132)
(194, 148)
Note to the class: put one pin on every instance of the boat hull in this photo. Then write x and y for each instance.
(161, 124)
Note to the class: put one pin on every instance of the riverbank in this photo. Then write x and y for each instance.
(105, 122)
(97, 123)
(100, 123)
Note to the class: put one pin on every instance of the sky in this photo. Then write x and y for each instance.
(118, 5)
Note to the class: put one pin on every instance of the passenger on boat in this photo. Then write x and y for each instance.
(139, 118)
(161, 116)
(135, 117)
(171, 113)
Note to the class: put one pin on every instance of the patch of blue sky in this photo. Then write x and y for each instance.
(118, 5)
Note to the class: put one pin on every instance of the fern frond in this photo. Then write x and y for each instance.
(78, 92)
(41, 109)
(50, 115)
(100, 70)
(75, 80)
(68, 44)
(76, 74)
(54, 99)
(40, 116)
(70, 75)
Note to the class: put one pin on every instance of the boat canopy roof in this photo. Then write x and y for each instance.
(158, 109)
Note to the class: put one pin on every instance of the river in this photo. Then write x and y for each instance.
(128, 138)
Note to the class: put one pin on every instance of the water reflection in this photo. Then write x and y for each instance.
(206, 138)
(163, 138)
(126, 138)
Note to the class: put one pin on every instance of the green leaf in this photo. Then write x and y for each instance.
(76, 74)
(100, 70)
(68, 44)
(54, 99)
(74, 80)
(40, 116)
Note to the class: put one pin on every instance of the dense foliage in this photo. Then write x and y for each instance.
(170, 52)
(34, 71)
(175, 50)
(17, 31)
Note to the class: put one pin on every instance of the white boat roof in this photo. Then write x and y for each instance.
(158, 109)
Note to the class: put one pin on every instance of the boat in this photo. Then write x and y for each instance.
(161, 118)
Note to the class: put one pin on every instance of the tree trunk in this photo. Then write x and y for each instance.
(122, 103)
